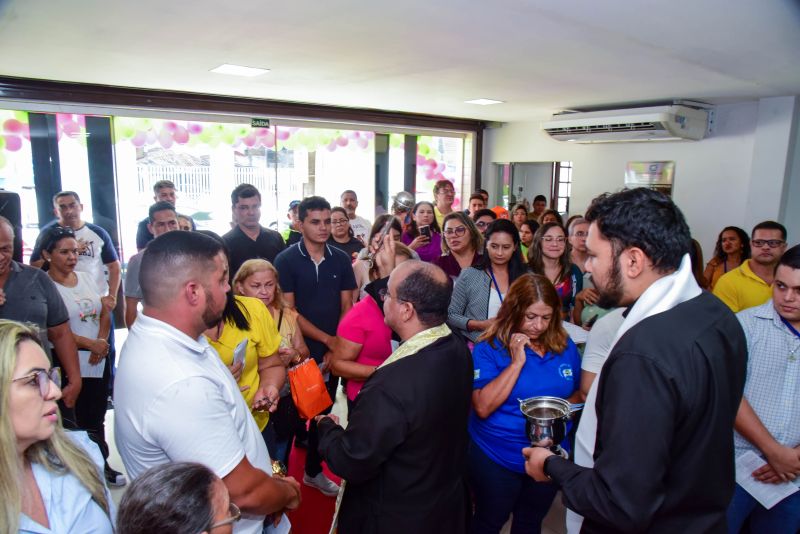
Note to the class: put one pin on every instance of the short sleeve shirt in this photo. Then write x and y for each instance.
(741, 288)
(262, 341)
(501, 436)
(132, 288)
(32, 297)
(316, 288)
(175, 401)
(266, 246)
(361, 228)
(364, 325)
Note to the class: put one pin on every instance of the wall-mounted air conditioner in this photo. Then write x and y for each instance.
(661, 123)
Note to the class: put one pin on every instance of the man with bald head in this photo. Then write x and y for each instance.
(175, 399)
(403, 452)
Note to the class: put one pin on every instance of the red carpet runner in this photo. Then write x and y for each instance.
(316, 510)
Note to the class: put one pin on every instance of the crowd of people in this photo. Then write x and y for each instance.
(429, 328)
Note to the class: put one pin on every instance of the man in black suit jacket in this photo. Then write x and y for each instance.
(403, 453)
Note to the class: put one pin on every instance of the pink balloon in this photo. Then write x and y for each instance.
(369, 135)
(331, 146)
(81, 120)
(269, 141)
(342, 141)
(139, 139)
(194, 128)
(261, 132)
(61, 118)
(352, 135)
(181, 135)
(165, 139)
(12, 126)
(439, 176)
(284, 134)
(25, 131)
(440, 167)
(170, 126)
(428, 173)
(71, 128)
(431, 163)
(13, 143)
(250, 140)
(362, 142)
(421, 160)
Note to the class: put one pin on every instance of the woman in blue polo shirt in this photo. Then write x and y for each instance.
(524, 353)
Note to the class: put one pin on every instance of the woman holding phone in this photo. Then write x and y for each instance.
(424, 234)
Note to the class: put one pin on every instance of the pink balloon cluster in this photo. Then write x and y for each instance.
(14, 132)
(433, 170)
(361, 140)
(70, 125)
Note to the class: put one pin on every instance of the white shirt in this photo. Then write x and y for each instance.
(361, 228)
(598, 347)
(68, 503)
(84, 307)
(90, 256)
(175, 401)
(494, 303)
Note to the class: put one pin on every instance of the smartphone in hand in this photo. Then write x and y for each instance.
(425, 230)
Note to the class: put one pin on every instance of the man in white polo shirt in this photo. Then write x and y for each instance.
(175, 399)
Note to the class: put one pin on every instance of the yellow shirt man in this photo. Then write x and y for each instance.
(741, 288)
(263, 342)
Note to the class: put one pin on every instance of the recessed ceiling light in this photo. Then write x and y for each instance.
(484, 101)
(238, 70)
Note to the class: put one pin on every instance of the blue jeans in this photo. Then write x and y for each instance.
(499, 492)
(784, 517)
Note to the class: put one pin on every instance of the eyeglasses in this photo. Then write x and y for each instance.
(581, 234)
(384, 295)
(457, 231)
(481, 224)
(446, 191)
(43, 379)
(550, 239)
(338, 222)
(772, 243)
(235, 515)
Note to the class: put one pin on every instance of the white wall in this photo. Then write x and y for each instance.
(716, 184)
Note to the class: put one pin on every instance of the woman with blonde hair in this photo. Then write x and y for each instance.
(258, 278)
(524, 353)
(461, 246)
(50, 480)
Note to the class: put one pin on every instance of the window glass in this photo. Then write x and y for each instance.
(74, 158)
(16, 172)
(439, 158)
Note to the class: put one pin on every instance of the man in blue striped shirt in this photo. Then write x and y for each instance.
(768, 422)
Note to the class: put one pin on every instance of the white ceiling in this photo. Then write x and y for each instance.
(417, 55)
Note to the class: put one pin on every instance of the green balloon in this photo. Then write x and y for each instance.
(21, 116)
(423, 149)
(2, 142)
(228, 138)
(2, 160)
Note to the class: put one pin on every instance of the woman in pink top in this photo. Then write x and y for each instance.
(363, 342)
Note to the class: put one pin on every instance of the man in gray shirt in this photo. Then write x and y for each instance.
(163, 219)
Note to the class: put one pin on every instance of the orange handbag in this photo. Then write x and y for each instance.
(308, 389)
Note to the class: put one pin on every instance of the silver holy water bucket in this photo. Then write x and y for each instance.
(546, 421)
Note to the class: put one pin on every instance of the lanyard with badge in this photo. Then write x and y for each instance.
(794, 331)
(496, 285)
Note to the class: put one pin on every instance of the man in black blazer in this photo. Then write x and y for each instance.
(403, 452)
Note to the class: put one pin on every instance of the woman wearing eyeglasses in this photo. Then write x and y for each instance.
(550, 257)
(90, 323)
(479, 291)
(461, 245)
(178, 498)
(50, 480)
(342, 235)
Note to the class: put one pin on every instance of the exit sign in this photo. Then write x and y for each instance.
(259, 123)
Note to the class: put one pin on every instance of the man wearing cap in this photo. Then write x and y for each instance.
(292, 234)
